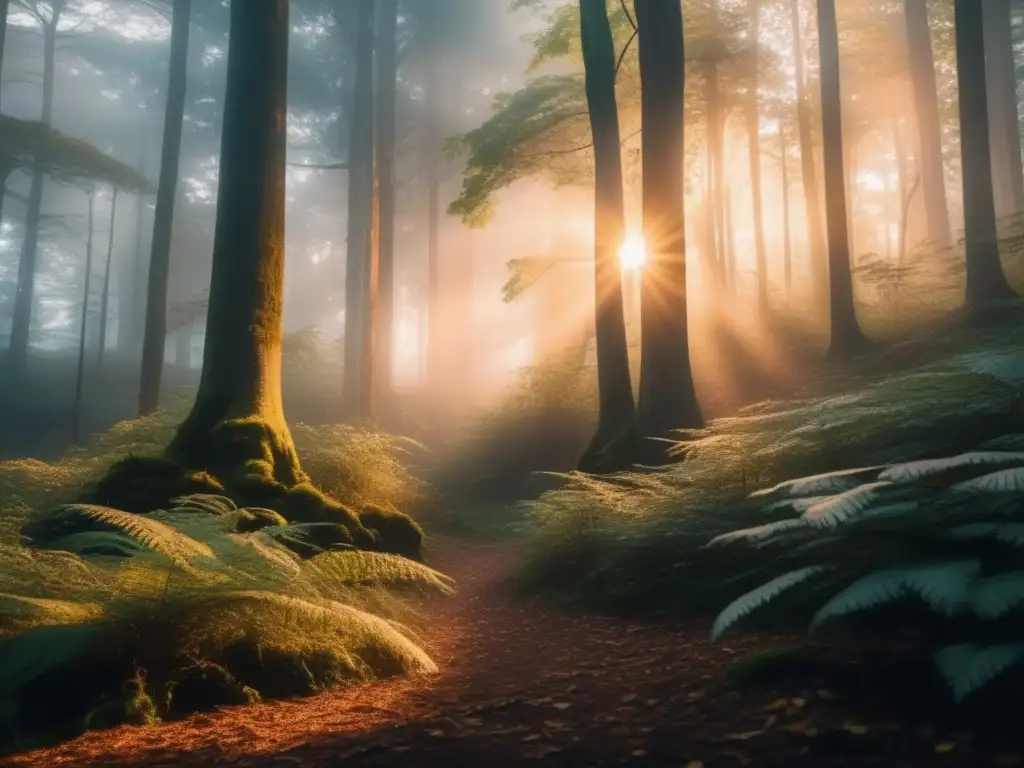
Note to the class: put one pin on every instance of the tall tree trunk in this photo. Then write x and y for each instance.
(357, 385)
(80, 374)
(754, 157)
(846, 335)
(183, 348)
(132, 275)
(387, 82)
(812, 196)
(433, 355)
(901, 171)
(240, 387)
(985, 277)
(787, 238)
(1004, 129)
(105, 300)
(851, 168)
(24, 297)
(5, 7)
(667, 399)
(155, 335)
(617, 410)
(926, 103)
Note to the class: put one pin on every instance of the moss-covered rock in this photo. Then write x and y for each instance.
(393, 532)
(205, 687)
(274, 672)
(143, 484)
(252, 519)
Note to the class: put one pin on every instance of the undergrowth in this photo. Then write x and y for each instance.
(135, 618)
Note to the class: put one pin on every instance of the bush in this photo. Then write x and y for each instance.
(162, 614)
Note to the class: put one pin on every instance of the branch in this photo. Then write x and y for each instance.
(580, 148)
(622, 56)
(629, 16)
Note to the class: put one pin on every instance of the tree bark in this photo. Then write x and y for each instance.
(80, 374)
(812, 195)
(155, 334)
(105, 298)
(433, 357)
(387, 86)
(21, 321)
(667, 399)
(357, 385)
(754, 157)
(1004, 129)
(985, 277)
(5, 7)
(616, 412)
(133, 272)
(926, 102)
(787, 239)
(240, 384)
(846, 335)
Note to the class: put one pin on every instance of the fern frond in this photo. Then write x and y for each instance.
(995, 596)
(968, 667)
(1002, 481)
(759, 532)
(1011, 442)
(944, 586)
(205, 502)
(99, 544)
(818, 485)
(797, 505)
(1008, 533)
(746, 604)
(912, 471)
(331, 570)
(19, 613)
(847, 505)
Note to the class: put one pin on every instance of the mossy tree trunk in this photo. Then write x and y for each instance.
(24, 296)
(812, 196)
(155, 334)
(926, 103)
(617, 410)
(985, 277)
(667, 398)
(238, 416)
(357, 385)
(846, 336)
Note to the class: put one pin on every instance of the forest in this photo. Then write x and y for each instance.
(511, 382)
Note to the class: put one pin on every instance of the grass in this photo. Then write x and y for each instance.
(162, 615)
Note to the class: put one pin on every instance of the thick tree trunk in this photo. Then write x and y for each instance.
(357, 385)
(985, 277)
(24, 297)
(787, 239)
(846, 335)
(754, 157)
(667, 399)
(105, 299)
(183, 348)
(812, 195)
(387, 82)
(926, 101)
(716, 141)
(80, 374)
(616, 411)
(1004, 129)
(155, 335)
(241, 378)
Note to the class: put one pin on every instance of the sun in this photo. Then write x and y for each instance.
(633, 253)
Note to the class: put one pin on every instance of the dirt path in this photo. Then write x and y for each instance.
(521, 684)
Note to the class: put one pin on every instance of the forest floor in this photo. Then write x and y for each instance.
(521, 683)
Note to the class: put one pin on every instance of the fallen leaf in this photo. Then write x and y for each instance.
(856, 730)
(628, 698)
(945, 747)
(743, 736)
(777, 705)
(652, 702)
(638, 752)
(798, 703)
(555, 724)
(801, 726)
(473, 722)
(694, 695)
(563, 705)
(437, 734)
(532, 737)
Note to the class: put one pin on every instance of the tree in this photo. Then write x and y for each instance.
(985, 277)
(105, 298)
(155, 334)
(387, 88)
(846, 335)
(753, 114)
(616, 412)
(1004, 127)
(926, 105)
(80, 374)
(667, 399)
(360, 266)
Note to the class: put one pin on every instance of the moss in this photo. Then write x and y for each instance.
(143, 484)
(393, 531)
(306, 504)
(256, 519)
(274, 672)
(205, 687)
(131, 705)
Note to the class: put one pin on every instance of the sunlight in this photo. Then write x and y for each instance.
(633, 253)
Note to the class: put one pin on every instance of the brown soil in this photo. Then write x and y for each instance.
(523, 684)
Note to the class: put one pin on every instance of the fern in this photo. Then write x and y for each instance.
(757, 598)
(1008, 533)
(817, 485)
(759, 533)
(206, 502)
(844, 506)
(997, 596)
(1002, 481)
(968, 667)
(918, 470)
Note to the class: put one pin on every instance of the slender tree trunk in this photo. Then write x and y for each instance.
(155, 335)
(105, 300)
(80, 375)
(434, 357)
(985, 277)
(926, 102)
(24, 297)
(846, 336)
(732, 277)
(132, 276)
(787, 238)
(616, 413)
(851, 168)
(5, 7)
(387, 81)
(667, 399)
(711, 261)
(1004, 129)
(716, 123)
(357, 386)
(901, 169)
(754, 156)
(812, 196)
(240, 384)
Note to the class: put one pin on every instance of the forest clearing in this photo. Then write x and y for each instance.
(446, 382)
